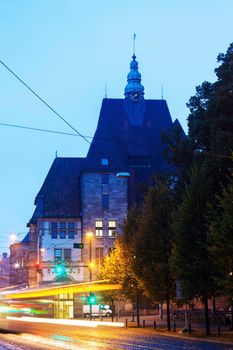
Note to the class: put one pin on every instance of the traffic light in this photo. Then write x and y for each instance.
(91, 299)
(38, 267)
(84, 298)
(60, 270)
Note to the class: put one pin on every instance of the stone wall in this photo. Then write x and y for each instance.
(93, 189)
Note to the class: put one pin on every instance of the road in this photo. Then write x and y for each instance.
(49, 336)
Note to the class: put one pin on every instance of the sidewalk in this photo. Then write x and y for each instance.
(198, 329)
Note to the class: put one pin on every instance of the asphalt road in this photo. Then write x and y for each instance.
(47, 336)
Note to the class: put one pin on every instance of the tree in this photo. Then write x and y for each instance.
(211, 120)
(221, 236)
(191, 260)
(117, 267)
(152, 245)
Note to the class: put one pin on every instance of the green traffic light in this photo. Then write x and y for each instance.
(60, 269)
(92, 299)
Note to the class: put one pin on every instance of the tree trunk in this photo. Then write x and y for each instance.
(214, 304)
(161, 311)
(132, 312)
(138, 312)
(168, 315)
(207, 320)
(231, 318)
(113, 310)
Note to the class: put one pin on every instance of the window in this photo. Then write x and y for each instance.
(112, 228)
(140, 161)
(62, 234)
(99, 228)
(105, 189)
(104, 161)
(67, 255)
(70, 224)
(105, 201)
(105, 178)
(54, 224)
(57, 255)
(110, 249)
(71, 234)
(63, 225)
(54, 234)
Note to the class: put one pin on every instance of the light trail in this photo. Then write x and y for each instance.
(66, 322)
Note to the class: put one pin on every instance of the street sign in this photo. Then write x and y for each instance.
(78, 245)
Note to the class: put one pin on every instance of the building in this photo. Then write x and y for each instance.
(19, 263)
(4, 270)
(92, 195)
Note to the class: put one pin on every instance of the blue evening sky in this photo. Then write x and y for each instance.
(67, 50)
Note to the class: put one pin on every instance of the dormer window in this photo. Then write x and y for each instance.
(140, 161)
(104, 161)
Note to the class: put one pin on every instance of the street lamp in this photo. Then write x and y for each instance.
(90, 238)
(13, 238)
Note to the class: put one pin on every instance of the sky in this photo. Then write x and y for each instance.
(67, 51)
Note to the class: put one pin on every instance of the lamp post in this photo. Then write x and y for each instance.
(90, 264)
(90, 237)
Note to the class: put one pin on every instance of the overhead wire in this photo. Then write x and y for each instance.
(44, 102)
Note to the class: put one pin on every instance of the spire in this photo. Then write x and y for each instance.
(134, 89)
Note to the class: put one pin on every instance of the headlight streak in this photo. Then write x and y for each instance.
(67, 322)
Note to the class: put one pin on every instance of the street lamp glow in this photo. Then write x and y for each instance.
(16, 265)
(89, 235)
(13, 237)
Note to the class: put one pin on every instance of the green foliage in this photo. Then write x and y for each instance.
(211, 119)
(118, 268)
(152, 243)
(190, 258)
(221, 238)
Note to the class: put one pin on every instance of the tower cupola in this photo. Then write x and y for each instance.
(134, 89)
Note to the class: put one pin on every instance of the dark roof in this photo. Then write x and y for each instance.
(59, 195)
(26, 239)
(120, 133)
(128, 131)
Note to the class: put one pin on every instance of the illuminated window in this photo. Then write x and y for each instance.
(99, 228)
(57, 255)
(104, 161)
(112, 228)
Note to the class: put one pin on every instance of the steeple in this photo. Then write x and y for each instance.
(134, 89)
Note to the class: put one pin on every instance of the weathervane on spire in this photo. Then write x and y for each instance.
(134, 90)
(134, 39)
